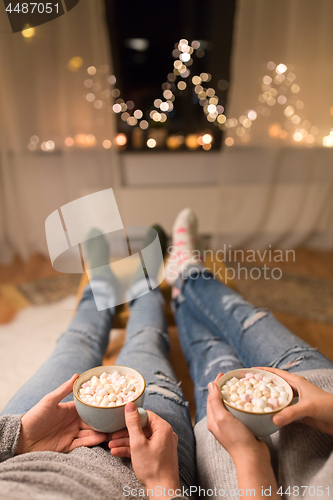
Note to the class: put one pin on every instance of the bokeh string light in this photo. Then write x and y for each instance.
(28, 31)
(102, 93)
(278, 89)
(161, 108)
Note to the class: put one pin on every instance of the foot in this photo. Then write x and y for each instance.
(184, 245)
(153, 259)
(162, 237)
(99, 256)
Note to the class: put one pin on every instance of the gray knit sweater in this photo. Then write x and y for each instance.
(83, 474)
(301, 456)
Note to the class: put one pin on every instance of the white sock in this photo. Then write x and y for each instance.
(184, 242)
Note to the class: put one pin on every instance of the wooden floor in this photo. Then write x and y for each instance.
(308, 262)
(19, 271)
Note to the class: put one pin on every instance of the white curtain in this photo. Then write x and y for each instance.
(276, 177)
(273, 189)
(43, 89)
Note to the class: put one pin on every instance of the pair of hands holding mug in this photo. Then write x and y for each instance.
(314, 408)
(54, 426)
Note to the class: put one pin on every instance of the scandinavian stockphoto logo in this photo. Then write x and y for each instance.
(87, 234)
(23, 15)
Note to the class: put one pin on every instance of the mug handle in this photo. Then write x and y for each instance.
(143, 417)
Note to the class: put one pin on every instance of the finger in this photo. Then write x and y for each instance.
(121, 452)
(215, 409)
(91, 440)
(91, 432)
(124, 433)
(133, 424)
(119, 434)
(156, 426)
(69, 405)
(118, 443)
(154, 422)
(214, 400)
(147, 431)
(64, 390)
(291, 413)
(218, 377)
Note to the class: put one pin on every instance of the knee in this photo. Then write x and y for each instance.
(166, 387)
(147, 337)
(294, 358)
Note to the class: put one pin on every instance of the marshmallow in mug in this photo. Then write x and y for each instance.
(255, 393)
(110, 389)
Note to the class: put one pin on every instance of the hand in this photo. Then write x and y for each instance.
(315, 406)
(251, 456)
(153, 451)
(232, 434)
(54, 426)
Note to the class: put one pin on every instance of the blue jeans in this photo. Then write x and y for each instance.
(146, 348)
(219, 331)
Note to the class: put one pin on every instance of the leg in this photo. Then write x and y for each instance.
(206, 354)
(146, 350)
(257, 337)
(80, 348)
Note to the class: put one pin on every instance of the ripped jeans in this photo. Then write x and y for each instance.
(219, 331)
(146, 349)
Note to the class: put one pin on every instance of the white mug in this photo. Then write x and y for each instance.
(109, 419)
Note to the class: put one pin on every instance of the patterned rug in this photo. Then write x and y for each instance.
(50, 290)
(310, 298)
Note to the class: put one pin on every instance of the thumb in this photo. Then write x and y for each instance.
(133, 422)
(218, 377)
(63, 390)
(214, 399)
(291, 413)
